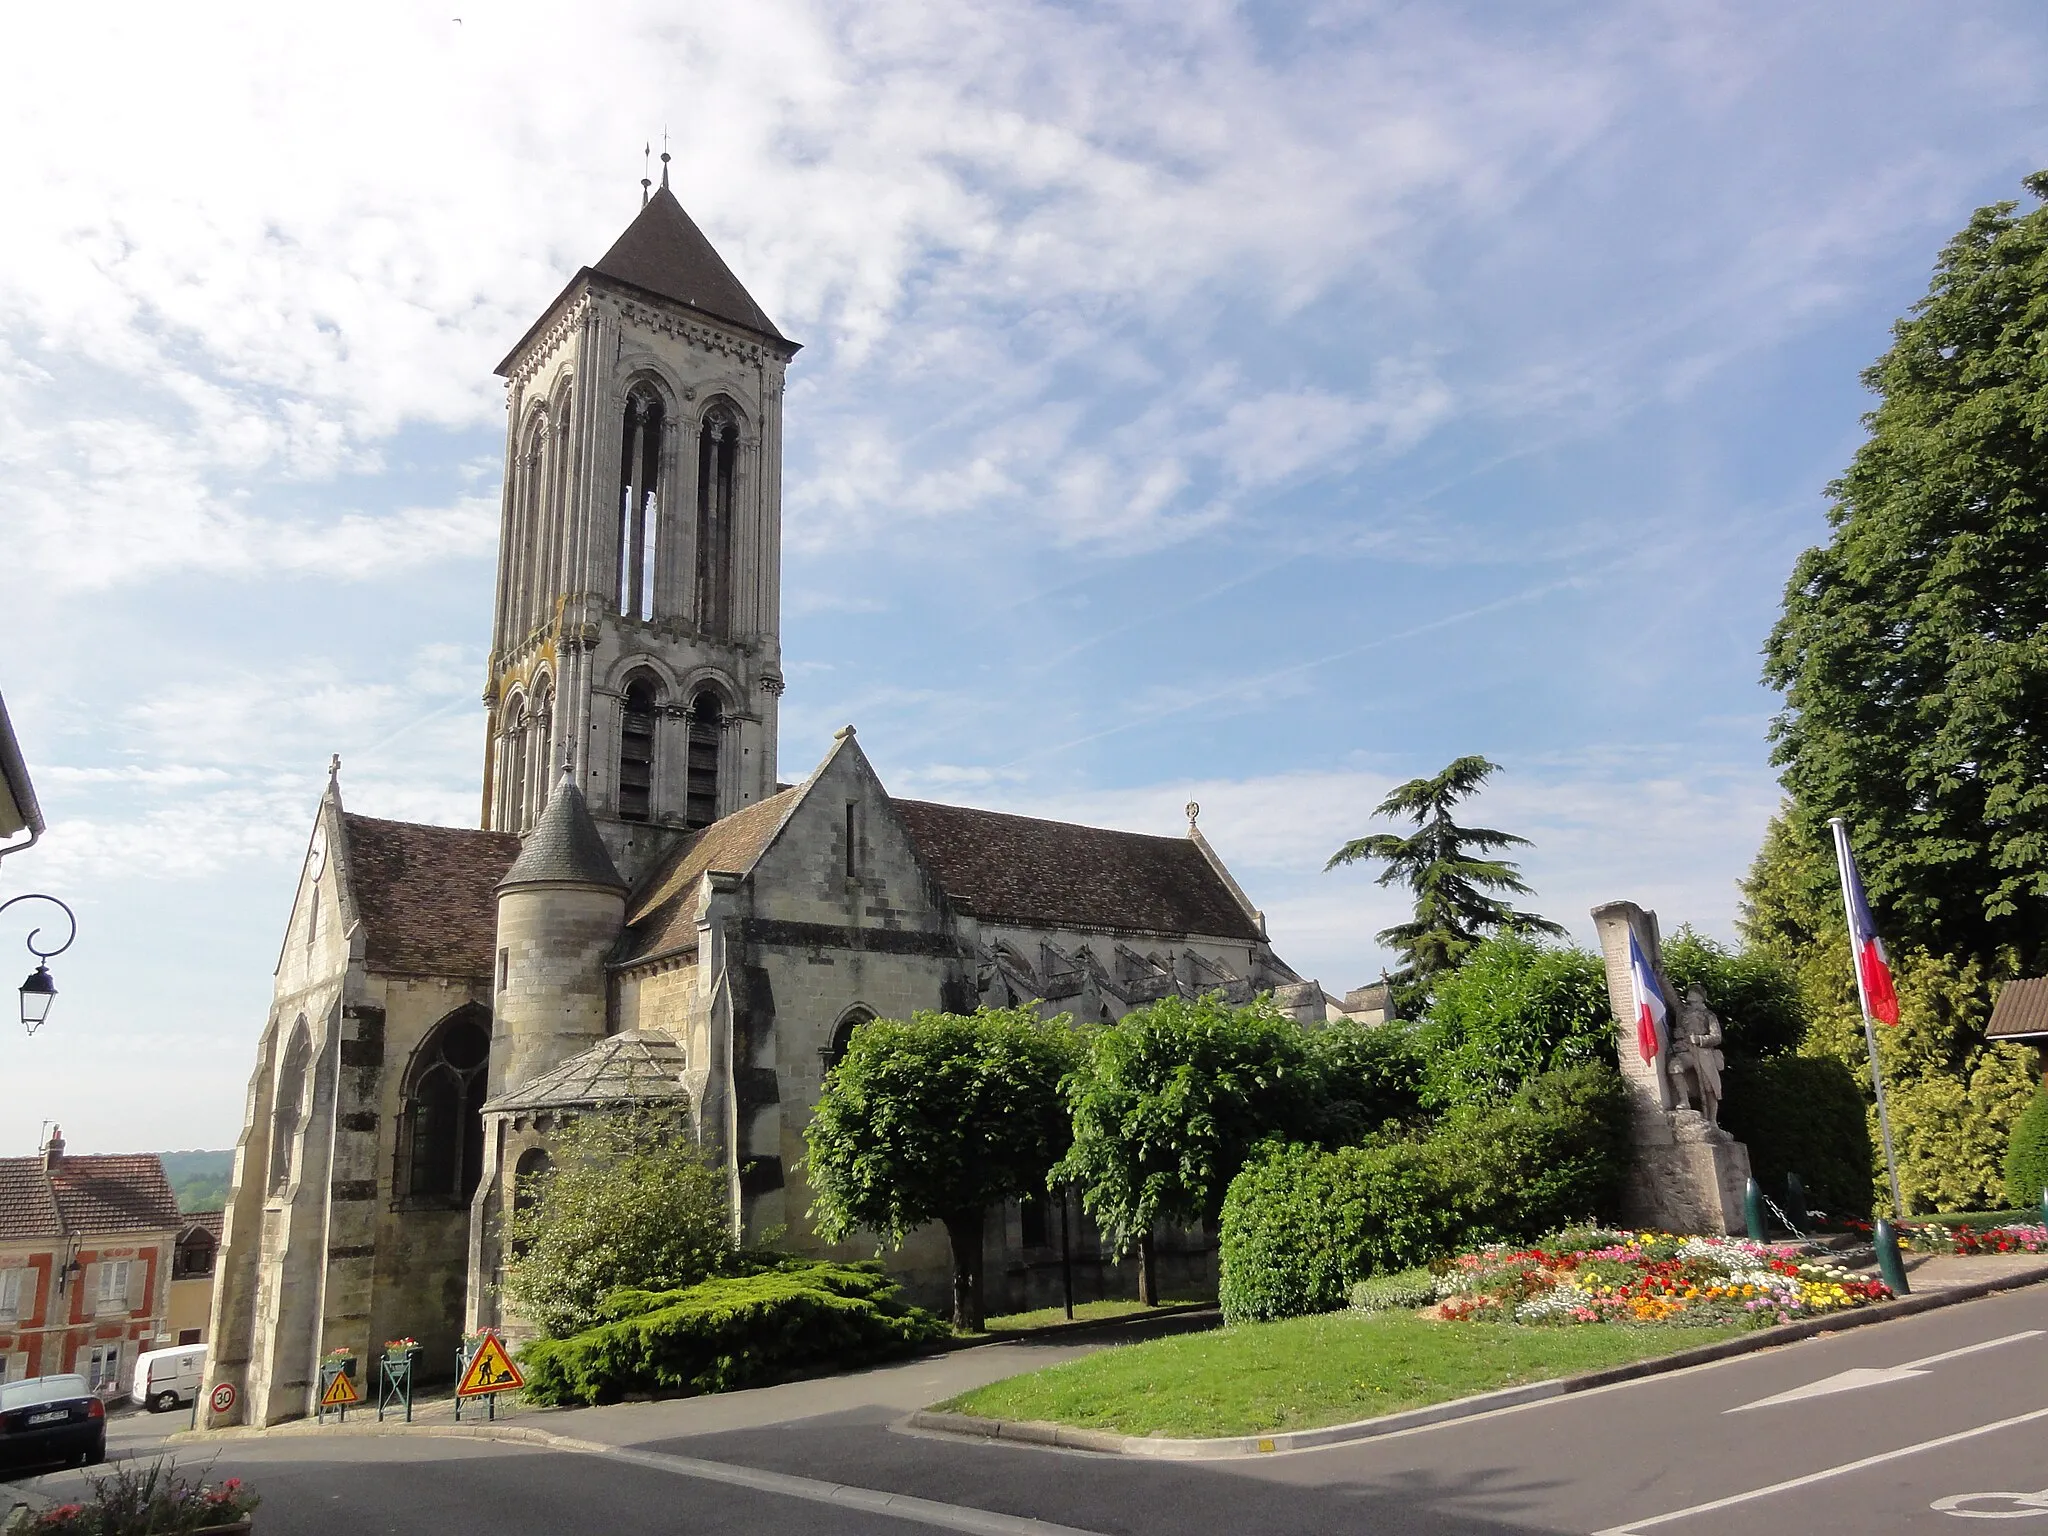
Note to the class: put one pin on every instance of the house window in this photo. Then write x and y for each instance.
(441, 1135)
(717, 455)
(636, 748)
(706, 727)
(189, 1335)
(639, 503)
(193, 1258)
(111, 1294)
(17, 1294)
(101, 1367)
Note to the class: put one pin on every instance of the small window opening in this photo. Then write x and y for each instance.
(717, 453)
(640, 504)
(504, 968)
(636, 750)
(852, 842)
(706, 728)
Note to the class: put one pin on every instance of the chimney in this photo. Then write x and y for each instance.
(53, 1154)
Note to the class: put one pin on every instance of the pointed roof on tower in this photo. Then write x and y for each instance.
(563, 848)
(664, 254)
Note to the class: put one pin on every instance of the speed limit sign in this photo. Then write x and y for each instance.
(223, 1397)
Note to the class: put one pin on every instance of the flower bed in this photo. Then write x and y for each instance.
(1937, 1237)
(1646, 1278)
(153, 1498)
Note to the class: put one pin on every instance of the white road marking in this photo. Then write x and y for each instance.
(2027, 1506)
(1876, 1375)
(1633, 1526)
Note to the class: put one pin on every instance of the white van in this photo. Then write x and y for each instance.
(168, 1378)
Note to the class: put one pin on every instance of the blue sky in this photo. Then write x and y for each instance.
(1255, 405)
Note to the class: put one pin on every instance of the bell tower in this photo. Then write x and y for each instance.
(638, 626)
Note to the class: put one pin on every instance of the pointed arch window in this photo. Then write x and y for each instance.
(707, 727)
(842, 1034)
(636, 747)
(527, 1177)
(441, 1126)
(513, 818)
(717, 469)
(290, 1108)
(640, 491)
(540, 771)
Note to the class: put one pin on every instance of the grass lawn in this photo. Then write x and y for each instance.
(1084, 1312)
(1309, 1371)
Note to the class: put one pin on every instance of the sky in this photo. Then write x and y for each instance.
(1257, 405)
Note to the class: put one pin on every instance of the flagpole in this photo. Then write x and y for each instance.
(1884, 1119)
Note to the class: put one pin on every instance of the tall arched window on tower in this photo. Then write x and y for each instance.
(707, 725)
(541, 770)
(639, 502)
(441, 1126)
(636, 747)
(514, 802)
(717, 469)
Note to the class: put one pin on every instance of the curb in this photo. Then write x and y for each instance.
(963, 1426)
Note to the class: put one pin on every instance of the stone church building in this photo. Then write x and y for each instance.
(647, 915)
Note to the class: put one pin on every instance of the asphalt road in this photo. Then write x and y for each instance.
(1679, 1455)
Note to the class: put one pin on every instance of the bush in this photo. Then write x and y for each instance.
(794, 1319)
(1515, 1009)
(2026, 1155)
(1301, 1226)
(1803, 1115)
(1402, 1292)
(1754, 992)
(1371, 1077)
(629, 1202)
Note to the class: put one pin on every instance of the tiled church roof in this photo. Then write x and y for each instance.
(629, 1068)
(664, 916)
(664, 252)
(563, 846)
(93, 1194)
(426, 894)
(1057, 874)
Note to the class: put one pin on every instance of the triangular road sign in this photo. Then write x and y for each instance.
(340, 1393)
(490, 1370)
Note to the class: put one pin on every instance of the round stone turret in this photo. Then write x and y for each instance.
(560, 909)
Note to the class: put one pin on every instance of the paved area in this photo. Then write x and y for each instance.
(1908, 1426)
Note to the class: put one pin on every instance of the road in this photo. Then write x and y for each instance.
(1865, 1431)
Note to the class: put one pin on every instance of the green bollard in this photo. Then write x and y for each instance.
(1795, 1197)
(2044, 1207)
(1889, 1264)
(1753, 1211)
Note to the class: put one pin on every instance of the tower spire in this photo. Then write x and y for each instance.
(664, 159)
(646, 181)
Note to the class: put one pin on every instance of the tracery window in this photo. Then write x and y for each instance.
(290, 1105)
(541, 773)
(441, 1129)
(514, 791)
(717, 464)
(707, 726)
(636, 747)
(639, 502)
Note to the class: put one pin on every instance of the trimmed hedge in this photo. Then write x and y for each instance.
(2026, 1155)
(1300, 1226)
(1805, 1115)
(798, 1318)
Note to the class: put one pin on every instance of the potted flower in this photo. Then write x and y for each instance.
(336, 1362)
(134, 1500)
(406, 1348)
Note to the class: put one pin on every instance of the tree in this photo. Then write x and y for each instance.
(1440, 862)
(936, 1119)
(1912, 651)
(1169, 1103)
(1514, 1010)
(627, 1202)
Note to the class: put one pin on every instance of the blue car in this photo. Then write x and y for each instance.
(46, 1419)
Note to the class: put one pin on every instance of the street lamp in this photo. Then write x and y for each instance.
(40, 989)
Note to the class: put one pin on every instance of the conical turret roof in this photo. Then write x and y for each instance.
(664, 252)
(563, 848)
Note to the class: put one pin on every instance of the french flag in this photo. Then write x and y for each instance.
(1651, 1009)
(1873, 970)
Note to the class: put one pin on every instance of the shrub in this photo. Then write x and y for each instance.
(1404, 1291)
(628, 1203)
(1803, 1115)
(2026, 1154)
(1300, 1226)
(1371, 1076)
(794, 1319)
(1753, 991)
(1515, 1009)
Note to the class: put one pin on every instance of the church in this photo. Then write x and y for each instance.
(647, 914)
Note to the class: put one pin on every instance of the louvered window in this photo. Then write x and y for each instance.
(636, 749)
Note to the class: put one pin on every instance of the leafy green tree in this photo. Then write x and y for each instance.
(1515, 1009)
(1167, 1105)
(1913, 647)
(1370, 1078)
(936, 1119)
(626, 1203)
(1753, 990)
(1443, 864)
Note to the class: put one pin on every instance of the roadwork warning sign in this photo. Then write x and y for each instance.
(341, 1392)
(490, 1370)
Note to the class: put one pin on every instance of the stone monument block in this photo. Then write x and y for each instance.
(1686, 1173)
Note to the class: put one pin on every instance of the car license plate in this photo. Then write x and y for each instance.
(53, 1417)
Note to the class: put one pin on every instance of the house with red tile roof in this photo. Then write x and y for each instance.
(85, 1263)
(646, 915)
